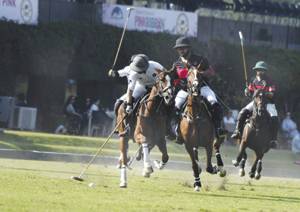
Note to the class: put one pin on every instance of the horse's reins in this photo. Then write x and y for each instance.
(186, 113)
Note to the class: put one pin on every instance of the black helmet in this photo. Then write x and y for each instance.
(182, 42)
(140, 63)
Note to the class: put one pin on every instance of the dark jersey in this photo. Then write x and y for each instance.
(264, 84)
(180, 70)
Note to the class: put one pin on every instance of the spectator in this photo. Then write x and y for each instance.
(70, 108)
(288, 126)
(229, 123)
(85, 115)
(296, 142)
(94, 107)
(73, 117)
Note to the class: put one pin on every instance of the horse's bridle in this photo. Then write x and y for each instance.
(165, 92)
(194, 89)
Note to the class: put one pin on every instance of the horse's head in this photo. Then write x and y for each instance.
(193, 81)
(165, 87)
(260, 102)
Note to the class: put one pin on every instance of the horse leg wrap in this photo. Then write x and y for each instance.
(197, 182)
(219, 159)
(123, 177)
(242, 163)
(146, 155)
(259, 166)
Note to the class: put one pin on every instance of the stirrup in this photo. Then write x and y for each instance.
(236, 135)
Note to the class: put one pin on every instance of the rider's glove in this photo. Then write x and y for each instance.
(247, 92)
(112, 73)
(128, 109)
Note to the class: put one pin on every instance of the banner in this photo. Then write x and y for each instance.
(151, 20)
(19, 11)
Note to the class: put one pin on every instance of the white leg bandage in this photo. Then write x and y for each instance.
(146, 155)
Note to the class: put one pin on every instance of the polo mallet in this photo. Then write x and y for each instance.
(134, 157)
(79, 178)
(243, 54)
(129, 9)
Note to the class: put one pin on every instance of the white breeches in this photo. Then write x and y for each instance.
(180, 98)
(205, 91)
(208, 94)
(270, 108)
(249, 106)
(138, 91)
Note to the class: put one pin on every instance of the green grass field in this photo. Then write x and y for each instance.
(46, 186)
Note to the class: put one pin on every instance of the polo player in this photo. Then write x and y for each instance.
(187, 60)
(261, 81)
(141, 74)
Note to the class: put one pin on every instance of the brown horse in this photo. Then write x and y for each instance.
(140, 131)
(197, 130)
(256, 136)
(151, 122)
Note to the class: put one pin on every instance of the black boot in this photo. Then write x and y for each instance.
(217, 119)
(173, 123)
(274, 131)
(237, 134)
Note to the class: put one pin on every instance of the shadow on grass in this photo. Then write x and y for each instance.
(49, 142)
(257, 197)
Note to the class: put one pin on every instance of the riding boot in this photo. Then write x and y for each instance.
(177, 129)
(173, 124)
(217, 119)
(237, 134)
(274, 131)
(116, 108)
(169, 133)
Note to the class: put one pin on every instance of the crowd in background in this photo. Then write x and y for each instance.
(254, 6)
(84, 118)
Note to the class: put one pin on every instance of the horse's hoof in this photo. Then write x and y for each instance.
(147, 171)
(159, 164)
(123, 185)
(197, 188)
(235, 163)
(257, 176)
(242, 172)
(251, 174)
(222, 173)
(212, 170)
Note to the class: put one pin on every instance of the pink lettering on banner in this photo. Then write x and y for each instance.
(142, 22)
(9, 3)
